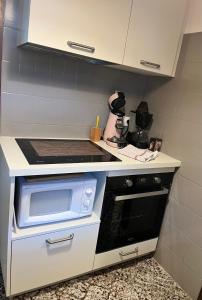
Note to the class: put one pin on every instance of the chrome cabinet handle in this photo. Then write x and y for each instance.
(68, 238)
(81, 47)
(150, 64)
(141, 195)
(135, 251)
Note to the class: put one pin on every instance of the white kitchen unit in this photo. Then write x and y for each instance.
(52, 257)
(124, 253)
(155, 35)
(95, 29)
(18, 165)
(36, 256)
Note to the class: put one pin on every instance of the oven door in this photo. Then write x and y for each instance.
(132, 218)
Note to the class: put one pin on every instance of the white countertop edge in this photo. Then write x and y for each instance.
(55, 226)
(18, 165)
(76, 169)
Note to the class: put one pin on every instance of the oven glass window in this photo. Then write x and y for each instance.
(50, 202)
(130, 221)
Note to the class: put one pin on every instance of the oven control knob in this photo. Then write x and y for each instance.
(129, 182)
(143, 180)
(157, 180)
(89, 191)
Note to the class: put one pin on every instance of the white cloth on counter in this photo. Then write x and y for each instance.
(142, 155)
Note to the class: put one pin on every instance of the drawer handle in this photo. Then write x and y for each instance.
(81, 47)
(68, 238)
(150, 64)
(164, 191)
(135, 251)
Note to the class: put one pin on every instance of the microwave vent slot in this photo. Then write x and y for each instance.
(41, 178)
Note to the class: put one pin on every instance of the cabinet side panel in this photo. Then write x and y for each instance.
(185, 8)
(7, 185)
(100, 189)
(24, 12)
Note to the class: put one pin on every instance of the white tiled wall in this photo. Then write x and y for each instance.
(177, 107)
(55, 96)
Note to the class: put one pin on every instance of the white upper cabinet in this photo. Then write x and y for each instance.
(136, 34)
(155, 35)
(95, 29)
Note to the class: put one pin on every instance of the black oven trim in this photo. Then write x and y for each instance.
(120, 214)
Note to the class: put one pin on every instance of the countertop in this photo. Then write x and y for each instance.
(18, 165)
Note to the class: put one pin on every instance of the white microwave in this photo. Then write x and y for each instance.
(41, 201)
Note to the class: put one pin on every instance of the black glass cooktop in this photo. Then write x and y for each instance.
(51, 151)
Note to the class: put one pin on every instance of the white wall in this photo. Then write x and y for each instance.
(194, 20)
(55, 96)
(176, 105)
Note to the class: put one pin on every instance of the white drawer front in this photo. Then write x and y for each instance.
(124, 253)
(46, 259)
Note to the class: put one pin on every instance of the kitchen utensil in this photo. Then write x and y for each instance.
(95, 134)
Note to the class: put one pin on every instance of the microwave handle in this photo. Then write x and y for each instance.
(64, 239)
(164, 191)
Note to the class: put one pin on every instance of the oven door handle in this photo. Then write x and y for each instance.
(164, 191)
(135, 251)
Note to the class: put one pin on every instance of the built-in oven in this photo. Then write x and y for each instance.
(133, 209)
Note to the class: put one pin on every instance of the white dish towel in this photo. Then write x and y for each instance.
(142, 155)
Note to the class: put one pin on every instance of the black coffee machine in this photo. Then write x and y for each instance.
(139, 124)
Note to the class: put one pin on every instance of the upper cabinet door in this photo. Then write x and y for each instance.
(154, 35)
(96, 29)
